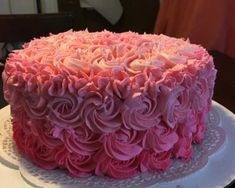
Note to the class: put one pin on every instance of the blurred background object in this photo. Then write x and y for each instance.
(137, 15)
(19, 28)
(111, 10)
(210, 23)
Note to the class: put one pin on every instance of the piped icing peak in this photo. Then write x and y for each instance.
(93, 53)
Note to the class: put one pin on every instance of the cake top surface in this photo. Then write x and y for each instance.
(106, 52)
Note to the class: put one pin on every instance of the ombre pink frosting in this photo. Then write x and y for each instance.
(109, 104)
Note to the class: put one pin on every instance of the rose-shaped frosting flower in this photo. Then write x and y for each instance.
(183, 148)
(65, 110)
(122, 88)
(200, 127)
(42, 151)
(36, 106)
(139, 81)
(189, 127)
(80, 140)
(200, 94)
(115, 168)
(160, 138)
(174, 104)
(199, 80)
(134, 65)
(151, 161)
(121, 83)
(44, 131)
(56, 85)
(41, 154)
(79, 165)
(211, 77)
(140, 112)
(35, 140)
(101, 113)
(12, 85)
(60, 157)
(20, 127)
(123, 144)
(102, 84)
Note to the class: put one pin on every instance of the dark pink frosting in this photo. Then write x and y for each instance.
(117, 169)
(152, 161)
(80, 140)
(108, 103)
(160, 138)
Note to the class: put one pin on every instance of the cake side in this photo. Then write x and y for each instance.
(108, 104)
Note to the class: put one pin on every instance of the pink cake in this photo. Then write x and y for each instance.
(108, 104)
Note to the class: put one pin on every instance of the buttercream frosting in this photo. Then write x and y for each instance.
(107, 103)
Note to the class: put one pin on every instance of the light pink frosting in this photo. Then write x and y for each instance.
(108, 103)
(123, 145)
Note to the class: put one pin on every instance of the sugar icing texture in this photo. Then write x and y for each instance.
(108, 104)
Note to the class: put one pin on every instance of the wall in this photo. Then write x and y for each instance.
(138, 16)
(27, 6)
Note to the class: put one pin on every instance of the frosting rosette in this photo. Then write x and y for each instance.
(140, 112)
(174, 104)
(11, 86)
(80, 140)
(183, 148)
(101, 113)
(36, 106)
(114, 168)
(65, 110)
(160, 138)
(151, 161)
(124, 144)
(200, 129)
(34, 139)
(80, 165)
(108, 104)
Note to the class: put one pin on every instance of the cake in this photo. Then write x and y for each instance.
(108, 104)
